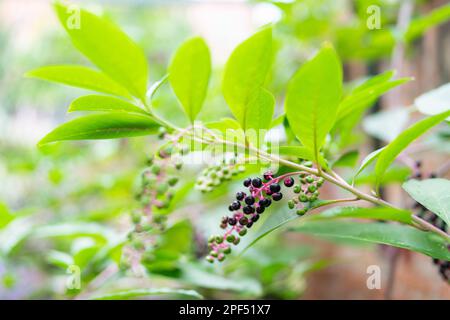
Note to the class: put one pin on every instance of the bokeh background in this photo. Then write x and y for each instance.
(70, 203)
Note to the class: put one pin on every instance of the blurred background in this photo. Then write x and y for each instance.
(70, 203)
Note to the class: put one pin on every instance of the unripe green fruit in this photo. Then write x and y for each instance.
(243, 232)
(162, 188)
(312, 188)
(310, 179)
(156, 169)
(303, 198)
(210, 259)
(301, 212)
(136, 217)
(227, 250)
(214, 253)
(297, 189)
(236, 241)
(173, 181)
(291, 204)
(230, 238)
(221, 257)
(219, 239)
(320, 181)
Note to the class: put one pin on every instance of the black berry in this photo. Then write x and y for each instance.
(248, 209)
(277, 196)
(257, 183)
(249, 200)
(235, 205)
(275, 187)
(247, 182)
(260, 209)
(240, 195)
(232, 221)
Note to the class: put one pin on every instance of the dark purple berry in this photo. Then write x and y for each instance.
(269, 193)
(235, 205)
(248, 209)
(240, 195)
(256, 182)
(249, 224)
(247, 182)
(289, 182)
(232, 221)
(268, 175)
(277, 196)
(243, 221)
(260, 209)
(275, 187)
(255, 218)
(230, 208)
(265, 202)
(249, 200)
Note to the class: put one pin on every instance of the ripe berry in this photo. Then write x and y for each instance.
(265, 202)
(249, 224)
(267, 176)
(260, 209)
(232, 221)
(277, 196)
(247, 182)
(235, 205)
(256, 182)
(249, 200)
(240, 195)
(274, 188)
(289, 182)
(248, 209)
(255, 218)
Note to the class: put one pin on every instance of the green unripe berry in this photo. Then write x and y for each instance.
(297, 189)
(211, 239)
(219, 239)
(156, 169)
(320, 181)
(173, 181)
(221, 257)
(162, 188)
(310, 179)
(301, 212)
(136, 217)
(291, 204)
(236, 241)
(312, 188)
(303, 198)
(213, 253)
(210, 259)
(230, 238)
(227, 250)
(243, 232)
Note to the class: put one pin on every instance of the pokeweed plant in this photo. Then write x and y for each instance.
(315, 114)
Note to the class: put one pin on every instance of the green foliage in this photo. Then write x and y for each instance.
(101, 103)
(189, 74)
(110, 49)
(392, 150)
(313, 97)
(433, 194)
(394, 235)
(103, 126)
(79, 76)
(245, 74)
(142, 293)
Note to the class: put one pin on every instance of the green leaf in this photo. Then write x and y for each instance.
(363, 97)
(80, 77)
(245, 73)
(108, 47)
(348, 159)
(395, 174)
(434, 101)
(433, 194)
(400, 236)
(103, 104)
(195, 274)
(5, 216)
(421, 24)
(300, 152)
(138, 293)
(189, 74)
(102, 126)
(368, 160)
(392, 150)
(312, 99)
(259, 111)
(378, 213)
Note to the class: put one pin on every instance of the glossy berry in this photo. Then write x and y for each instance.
(291, 204)
(289, 182)
(255, 218)
(249, 224)
(247, 182)
(235, 205)
(301, 212)
(297, 189)
(267, 176)
(277, 196)
(232, 221)
(260, 209)
(243, 221)
(249, 200)
(256, 182)
(248, 209)
(275, 187)
(266, 202)
(240, 195)
(243, 232)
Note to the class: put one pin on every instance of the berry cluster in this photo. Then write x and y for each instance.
(214, 175)
(248, 206)
(424, 213)
(155, 193)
